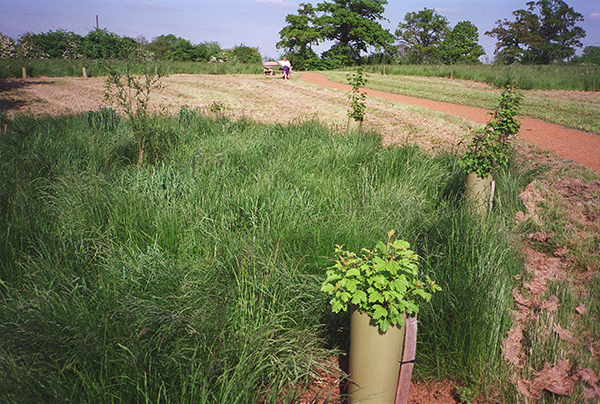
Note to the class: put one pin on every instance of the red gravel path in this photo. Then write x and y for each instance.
(581, 147)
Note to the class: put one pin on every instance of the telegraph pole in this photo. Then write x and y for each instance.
(97, 27)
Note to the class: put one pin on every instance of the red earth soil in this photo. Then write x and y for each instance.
(579, 146)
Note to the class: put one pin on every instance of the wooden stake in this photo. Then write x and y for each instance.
(408, 361)
(24, 71)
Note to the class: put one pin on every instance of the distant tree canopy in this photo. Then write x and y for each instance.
(591, 55)
(299, 36)
(545, 32)
(420, 34)
(426, 37)
(461, 45)
(102, 44)
(170, 47)
(357, 37)
(352, 26)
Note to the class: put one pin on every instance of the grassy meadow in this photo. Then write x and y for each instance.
(12, 68)
(523, 77)
(574, 109)
(196, 279)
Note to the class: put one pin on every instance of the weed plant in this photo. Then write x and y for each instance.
(196, 279)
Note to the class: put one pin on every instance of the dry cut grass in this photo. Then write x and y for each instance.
(270, 100)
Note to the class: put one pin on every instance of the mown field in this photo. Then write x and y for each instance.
(196, 279)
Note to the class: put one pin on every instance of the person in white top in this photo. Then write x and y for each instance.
(286, 66)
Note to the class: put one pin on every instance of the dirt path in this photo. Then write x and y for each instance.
(579, 146)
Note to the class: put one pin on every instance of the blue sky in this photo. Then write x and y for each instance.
(253, 23)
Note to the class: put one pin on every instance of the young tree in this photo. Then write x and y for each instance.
(298, 37)
(421, 33)
(461, 45)
(131, 93)
(353, 26)
(546, 32)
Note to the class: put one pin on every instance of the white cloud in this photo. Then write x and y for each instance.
(595, 16)
(277, 3)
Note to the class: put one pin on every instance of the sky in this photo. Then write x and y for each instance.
(254, 23)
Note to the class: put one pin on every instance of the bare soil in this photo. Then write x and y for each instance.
(434, 126)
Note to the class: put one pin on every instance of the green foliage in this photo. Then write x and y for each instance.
(298, 37)
(246, 54)
(58, 44)
(8, 47)
(102, 44)
(504, 119)
(526, 77)
(591, 54)
(465, 395)
(544, 33)
(131, 93)
(490, 148)
(461, 45)
(105, 119)
(170, 47)
(353, 26)
(356, 97)
(382, 282)
(197, 280)
(420, 34)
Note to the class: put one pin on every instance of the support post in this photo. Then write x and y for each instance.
(24, 71)
(408, 361)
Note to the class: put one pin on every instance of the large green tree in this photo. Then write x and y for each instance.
(543, 33)
(299, 36)
(420, 34)
(461, 45)
(353, 26)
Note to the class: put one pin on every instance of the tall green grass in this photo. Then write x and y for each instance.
(527, 77)
(196, 279)
(12, 68)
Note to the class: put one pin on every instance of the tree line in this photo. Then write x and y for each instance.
(102, 44)
(542, 33)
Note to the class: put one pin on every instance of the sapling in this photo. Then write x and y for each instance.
(131, 92)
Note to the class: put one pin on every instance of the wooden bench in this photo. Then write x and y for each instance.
(269, 67)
